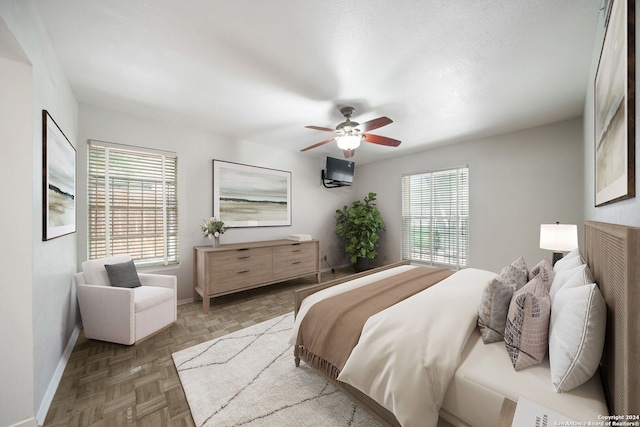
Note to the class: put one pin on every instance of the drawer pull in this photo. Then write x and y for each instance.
(244, 257)
(242, 249)
(296, 262)
(295, 244)
(243, 271)
(297, 250)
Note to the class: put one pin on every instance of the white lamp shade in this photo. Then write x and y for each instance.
(349, 142)
(559, 237)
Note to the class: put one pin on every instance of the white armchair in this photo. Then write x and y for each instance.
(124, 315)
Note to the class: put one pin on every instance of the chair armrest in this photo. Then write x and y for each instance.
(164, 281)
(161, 280)
(107, 312)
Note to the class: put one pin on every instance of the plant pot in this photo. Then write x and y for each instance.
(363, 264)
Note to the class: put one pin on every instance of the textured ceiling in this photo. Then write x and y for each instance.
(444, 71)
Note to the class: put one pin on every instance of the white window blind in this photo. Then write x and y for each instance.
(133, 203)
(435, 217)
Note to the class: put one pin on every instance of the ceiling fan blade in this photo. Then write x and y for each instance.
(318, 144)
(321, 128)
(374, 124)
(348, 153)
(381, 140)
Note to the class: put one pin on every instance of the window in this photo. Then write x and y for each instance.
(133, 203)
(435, 217)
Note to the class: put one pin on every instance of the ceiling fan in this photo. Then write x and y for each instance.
(350, 134)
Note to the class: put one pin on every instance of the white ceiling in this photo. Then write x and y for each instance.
(444, 71)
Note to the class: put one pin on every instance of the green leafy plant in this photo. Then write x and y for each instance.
(359, 225)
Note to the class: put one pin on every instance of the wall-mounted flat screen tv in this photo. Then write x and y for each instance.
(339, 170)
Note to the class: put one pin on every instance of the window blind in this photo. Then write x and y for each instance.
(435, 217)
(133, 203)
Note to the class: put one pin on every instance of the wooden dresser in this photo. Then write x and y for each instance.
(240, 266)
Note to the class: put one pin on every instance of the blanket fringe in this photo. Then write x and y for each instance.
(318, 363)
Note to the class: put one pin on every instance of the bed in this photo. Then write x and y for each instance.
(482, 375)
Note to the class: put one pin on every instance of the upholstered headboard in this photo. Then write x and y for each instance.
(613, 255)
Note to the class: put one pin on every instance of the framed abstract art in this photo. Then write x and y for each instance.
(58, 181)
(250, 196)
(614, 109)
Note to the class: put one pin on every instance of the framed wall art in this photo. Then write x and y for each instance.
(58, 181)
(614, 109)
(250, 196)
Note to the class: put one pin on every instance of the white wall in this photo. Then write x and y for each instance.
(625, 212)
(517, 182)
(54, 261)
(16, 277)
(313, 205)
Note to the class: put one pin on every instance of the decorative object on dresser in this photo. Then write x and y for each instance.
(250, 196)
(299, 237)
(241, 266)
(213, 229)
(558, 238)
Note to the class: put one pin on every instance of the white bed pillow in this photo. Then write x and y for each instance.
(576, 336)
(571, 260)
(572, 277)
(573, 253)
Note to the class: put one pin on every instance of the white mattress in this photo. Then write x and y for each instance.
(486, 376)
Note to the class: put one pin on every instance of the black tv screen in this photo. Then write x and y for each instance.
(339, 170)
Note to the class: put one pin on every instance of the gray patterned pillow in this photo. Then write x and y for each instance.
(544, 266)
(492, 315)
(526, 334)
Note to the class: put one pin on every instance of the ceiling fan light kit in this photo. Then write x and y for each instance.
(350, 134)
(349, 142)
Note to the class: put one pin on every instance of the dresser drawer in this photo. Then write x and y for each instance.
(239, 269)
(240, 266)
(294, 260)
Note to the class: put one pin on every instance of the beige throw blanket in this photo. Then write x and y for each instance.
(407, 354)
(332, 327)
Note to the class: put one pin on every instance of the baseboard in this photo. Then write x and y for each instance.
(57, 376)
(185, 301)
(29, 422)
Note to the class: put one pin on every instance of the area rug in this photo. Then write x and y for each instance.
(248, 378)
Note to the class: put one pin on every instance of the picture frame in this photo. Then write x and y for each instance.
(614, 108)
(58, 181)
(251, 196)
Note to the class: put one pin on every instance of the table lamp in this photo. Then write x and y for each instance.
(558, 238)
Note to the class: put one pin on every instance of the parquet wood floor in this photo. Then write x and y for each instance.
(107, 384)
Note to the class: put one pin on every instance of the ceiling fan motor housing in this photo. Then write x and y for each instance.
(347, 126)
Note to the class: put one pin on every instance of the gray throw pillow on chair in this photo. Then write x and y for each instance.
(123, 275)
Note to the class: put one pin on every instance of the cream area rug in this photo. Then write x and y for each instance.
(248, 378)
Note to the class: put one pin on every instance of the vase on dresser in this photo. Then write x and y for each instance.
(215, 242)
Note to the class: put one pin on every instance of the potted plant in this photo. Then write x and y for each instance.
(359, 225)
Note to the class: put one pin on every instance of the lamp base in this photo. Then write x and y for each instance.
(556, 257)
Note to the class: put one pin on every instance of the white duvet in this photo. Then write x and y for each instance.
(408, 353)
